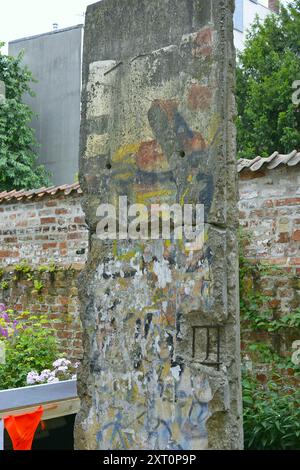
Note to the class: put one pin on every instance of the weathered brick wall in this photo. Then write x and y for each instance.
(270, 212)
(270, 216)
(58, 300)
(52, 228)
(39, 232)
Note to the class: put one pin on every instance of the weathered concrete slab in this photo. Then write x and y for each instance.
(161, 366)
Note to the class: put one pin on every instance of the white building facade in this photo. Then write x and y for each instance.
(245, 13)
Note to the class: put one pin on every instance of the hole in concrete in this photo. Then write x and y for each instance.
(108, 166)
(182, 153)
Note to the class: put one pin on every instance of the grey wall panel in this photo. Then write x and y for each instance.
(55, 61)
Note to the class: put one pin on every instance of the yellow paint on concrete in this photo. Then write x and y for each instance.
(213, 127)
(143, 198)
(124, 176)
(183, 196)
(125, 154)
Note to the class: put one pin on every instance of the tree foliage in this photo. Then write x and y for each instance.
(267, 68)
(18, 158)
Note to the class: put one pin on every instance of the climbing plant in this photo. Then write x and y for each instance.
(271, 398)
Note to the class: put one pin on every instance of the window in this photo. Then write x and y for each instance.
(239, 15)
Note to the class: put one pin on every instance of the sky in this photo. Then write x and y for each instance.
(22, 18)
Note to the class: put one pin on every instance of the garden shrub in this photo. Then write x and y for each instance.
(30, 344)
(271, 412)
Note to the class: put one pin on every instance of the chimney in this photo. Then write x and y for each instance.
(274, 5)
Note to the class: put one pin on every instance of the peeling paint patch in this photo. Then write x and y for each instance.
(163, 273)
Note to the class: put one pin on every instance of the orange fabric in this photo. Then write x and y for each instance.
(21, 429)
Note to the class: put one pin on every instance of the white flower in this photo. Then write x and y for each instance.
(45, 374)
(61, 362)
(52, 380)
(32, 378)
(62, 369)
(76, 365)
(74, 377)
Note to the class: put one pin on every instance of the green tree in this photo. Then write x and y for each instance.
(267, 68)
(18, 159)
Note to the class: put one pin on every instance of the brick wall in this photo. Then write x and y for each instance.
(270, 211)
(270, 214)
(58, 300)
(52, 228)
(41, 231)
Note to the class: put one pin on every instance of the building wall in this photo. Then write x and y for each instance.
(245, 13)
(55, 61)
(39, 231)
(57, 300)
(270, 213)
(47, 235)
(270, 216)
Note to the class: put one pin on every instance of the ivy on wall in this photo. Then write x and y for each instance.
(271, 397)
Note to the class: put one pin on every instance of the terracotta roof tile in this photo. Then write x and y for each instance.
(65, 189)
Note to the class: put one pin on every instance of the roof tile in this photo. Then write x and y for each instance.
(39, 193)
(272, 162)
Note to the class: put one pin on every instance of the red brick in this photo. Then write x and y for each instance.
(64, 334)
(46, 246)
(295, 261)
(284, 238)
(9, 254)
(274, 303)
(51, 203)
(61, 211)
(75, 236)
(288, 202)
(48, 220)
(251, 175)
(79, 220)
(296, 236)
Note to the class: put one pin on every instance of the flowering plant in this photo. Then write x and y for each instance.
(63, 369)
(8, 325)
(29, 344)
